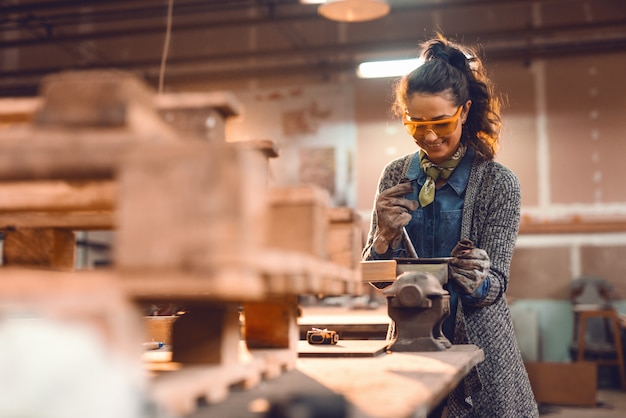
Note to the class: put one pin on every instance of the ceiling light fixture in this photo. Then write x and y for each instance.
(353, 10)
(392, 68)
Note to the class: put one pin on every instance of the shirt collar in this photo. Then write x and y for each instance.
(459, 178)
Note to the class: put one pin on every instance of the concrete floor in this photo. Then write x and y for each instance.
(611, 404)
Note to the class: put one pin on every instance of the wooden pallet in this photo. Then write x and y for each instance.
(195, 222)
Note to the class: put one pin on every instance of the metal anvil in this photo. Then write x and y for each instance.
(418, 304)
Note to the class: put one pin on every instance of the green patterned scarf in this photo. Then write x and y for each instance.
(435, 171)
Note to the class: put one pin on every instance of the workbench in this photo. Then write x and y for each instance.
(388, 385)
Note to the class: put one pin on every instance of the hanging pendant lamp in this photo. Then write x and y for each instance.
(353, 10)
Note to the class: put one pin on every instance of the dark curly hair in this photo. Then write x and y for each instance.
(450, 68)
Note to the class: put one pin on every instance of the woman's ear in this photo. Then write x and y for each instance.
(466, 108)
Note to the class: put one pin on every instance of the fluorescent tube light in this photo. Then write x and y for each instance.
(393, 68)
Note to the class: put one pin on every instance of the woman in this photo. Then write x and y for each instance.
(455, 200)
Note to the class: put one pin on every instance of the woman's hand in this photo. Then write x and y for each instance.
(393, 212)
(469, 266)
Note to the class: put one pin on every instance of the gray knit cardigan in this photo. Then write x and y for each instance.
(499, 386)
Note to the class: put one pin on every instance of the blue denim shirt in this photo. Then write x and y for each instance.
(435, 229)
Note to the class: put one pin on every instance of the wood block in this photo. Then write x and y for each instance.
(272, 324)
(345, 241)
(297, 220)
(207, 335)
(93, 98)
(189, 207)
(49, 247)
(564, 383)
(378, 271)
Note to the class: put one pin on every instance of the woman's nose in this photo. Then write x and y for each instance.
(430, 135)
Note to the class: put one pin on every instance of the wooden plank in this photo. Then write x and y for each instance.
(378, 271)
(23, 109)
(75, 220)
(60, 195)
(95, 154)
(232, 279)
(53, 248)
(396, 385)
(224, 102)
(18, 110)
(344, 348)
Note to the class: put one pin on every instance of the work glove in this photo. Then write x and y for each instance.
(468, 267)
(393, 212)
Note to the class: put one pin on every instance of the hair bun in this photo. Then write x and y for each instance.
(437, 50)
(440, 49)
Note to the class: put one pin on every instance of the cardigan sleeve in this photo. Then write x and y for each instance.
(494, 226)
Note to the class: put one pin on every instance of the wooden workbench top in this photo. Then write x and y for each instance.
(391, 385)
(394, 385)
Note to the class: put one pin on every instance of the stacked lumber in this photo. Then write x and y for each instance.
(195, 222)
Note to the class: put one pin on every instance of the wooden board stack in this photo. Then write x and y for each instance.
(195, 222)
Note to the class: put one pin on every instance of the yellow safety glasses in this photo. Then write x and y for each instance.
(441, 127)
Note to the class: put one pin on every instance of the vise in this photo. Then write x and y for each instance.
(418, 304)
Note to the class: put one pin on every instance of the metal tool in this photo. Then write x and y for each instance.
(418, 304)
(409, 244)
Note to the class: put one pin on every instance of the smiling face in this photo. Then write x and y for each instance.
(432, 109)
